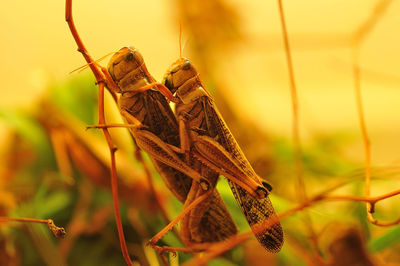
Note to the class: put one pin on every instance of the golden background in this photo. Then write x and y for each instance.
(244, 58)
(37, 48)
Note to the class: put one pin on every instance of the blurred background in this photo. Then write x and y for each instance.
(238, 49)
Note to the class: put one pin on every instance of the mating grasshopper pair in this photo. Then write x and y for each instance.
(207, 150)
(190, 148)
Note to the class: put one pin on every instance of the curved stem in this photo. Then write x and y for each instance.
(101, 80)
(296, 132)
(360, 35)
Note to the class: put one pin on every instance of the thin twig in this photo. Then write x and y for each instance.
(295, 107)
(296, 135)
(365, 29)
(101, 81)
(58, 232)
(114, 180)
(359, 37)
(223, 246)
(361, 117)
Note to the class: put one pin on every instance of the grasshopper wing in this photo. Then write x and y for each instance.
(256, 211)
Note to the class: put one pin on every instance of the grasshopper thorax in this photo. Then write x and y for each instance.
(183, 79)
(128, 70)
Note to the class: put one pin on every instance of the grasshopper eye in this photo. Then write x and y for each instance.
(186, 65)
(129, 56)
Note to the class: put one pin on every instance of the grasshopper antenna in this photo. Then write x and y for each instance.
(181, 43)
(81, 68)
(180, 39)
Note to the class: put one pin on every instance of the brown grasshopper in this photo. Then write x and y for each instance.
(205, 137)
(155, 128)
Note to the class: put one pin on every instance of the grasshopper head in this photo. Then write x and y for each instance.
(123, 62)
(183, 79)
(127, 69)
(180, 72)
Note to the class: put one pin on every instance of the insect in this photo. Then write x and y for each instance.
(205, 136)
(156, 128)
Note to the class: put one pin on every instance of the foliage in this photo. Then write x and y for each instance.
(39, 190)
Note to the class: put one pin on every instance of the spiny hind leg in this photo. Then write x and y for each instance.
(216, 157)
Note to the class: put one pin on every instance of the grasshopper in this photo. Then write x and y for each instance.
(205, 136)
(155, 128)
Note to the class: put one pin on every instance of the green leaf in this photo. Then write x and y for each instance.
(30, 130)
(78, 96)
(386, 240)
(53, 203)
(221, 261)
